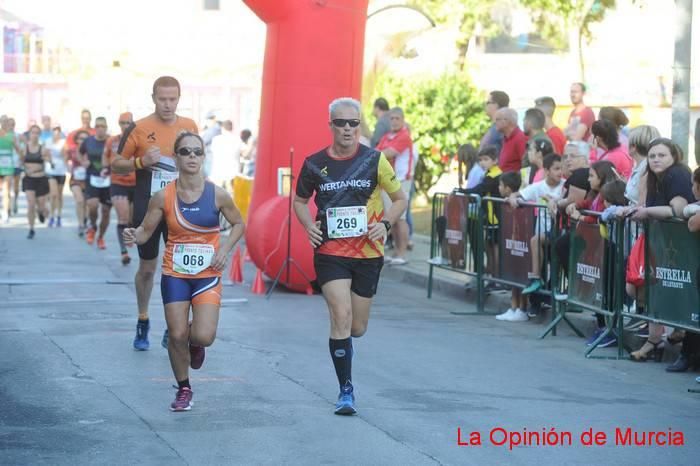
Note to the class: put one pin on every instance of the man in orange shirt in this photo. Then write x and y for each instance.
(121, 189)
(148, 147)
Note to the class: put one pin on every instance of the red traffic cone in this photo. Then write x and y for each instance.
(258, 284)
(236, 272)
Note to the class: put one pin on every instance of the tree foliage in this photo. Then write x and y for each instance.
(442, 112)
(467, 15)
(552, 18)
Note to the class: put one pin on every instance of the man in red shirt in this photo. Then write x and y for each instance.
(547, 105)
(581, 117)
(397, 147)
(514, 142)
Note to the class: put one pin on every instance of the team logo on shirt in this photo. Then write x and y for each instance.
(324, 171)
(151, 137)
(340, 185)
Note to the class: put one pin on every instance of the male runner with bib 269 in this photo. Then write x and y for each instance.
(147, 147)
(193, 259)
(349, 231)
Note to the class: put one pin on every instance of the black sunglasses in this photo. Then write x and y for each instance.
(184, 151)
(341, 122)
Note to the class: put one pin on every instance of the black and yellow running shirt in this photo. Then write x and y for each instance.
(356, 181)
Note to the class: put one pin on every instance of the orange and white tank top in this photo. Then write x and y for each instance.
(193, 234)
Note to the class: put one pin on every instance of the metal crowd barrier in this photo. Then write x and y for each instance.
(598, 254)
(671, 270)
(516, 229)
(455, 244)
(595, 279)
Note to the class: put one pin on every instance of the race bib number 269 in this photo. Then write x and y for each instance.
(346, 222)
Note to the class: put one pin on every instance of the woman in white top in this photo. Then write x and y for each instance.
(57, 175)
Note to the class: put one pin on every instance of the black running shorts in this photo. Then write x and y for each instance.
(40, 185)
(364, 273)
(118, 190)
(102, 194)
(149, 249)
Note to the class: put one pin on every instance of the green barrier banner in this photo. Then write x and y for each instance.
(587, 262)
(517, 228)
(673, 272)
(456, 213)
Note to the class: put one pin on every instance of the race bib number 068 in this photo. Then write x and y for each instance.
(190, 259)
(346, 222)
(160, 179)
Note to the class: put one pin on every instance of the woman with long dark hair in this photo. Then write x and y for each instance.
(669, 191)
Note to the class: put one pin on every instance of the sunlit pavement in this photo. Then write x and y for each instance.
(75, 392)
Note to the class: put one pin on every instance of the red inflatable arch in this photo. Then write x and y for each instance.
(313, 55)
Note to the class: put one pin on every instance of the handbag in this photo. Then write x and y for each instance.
(635, 263)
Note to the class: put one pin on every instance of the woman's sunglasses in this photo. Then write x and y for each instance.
(185, 151)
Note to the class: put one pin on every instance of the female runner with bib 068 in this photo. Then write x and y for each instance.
(193, 260)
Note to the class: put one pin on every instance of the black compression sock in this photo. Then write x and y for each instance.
(120, 231)
(341, 353)
(184, 383)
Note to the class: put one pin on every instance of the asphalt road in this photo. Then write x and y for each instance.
(74, 391)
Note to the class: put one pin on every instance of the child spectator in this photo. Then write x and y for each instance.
(488, 160)
(599, 174)
(543, 192)
(537, 150)
(508, 184)
(468, 168)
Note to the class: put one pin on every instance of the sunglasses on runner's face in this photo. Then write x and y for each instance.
(184, 151)
(341, 122)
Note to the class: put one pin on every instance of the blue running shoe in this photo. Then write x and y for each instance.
(164, 340)
(346, 402)
(595, 336)
(141, 339)
(608, 341)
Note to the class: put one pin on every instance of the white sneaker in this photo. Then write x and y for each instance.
(517, 316)
(437, 260)
(506, 315)
(398, 261)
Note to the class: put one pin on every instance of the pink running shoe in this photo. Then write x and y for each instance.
(183, 400)
(196, 356)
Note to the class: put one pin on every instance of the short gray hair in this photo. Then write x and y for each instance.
(509, 113)
(397, 110)
(344, 102)
(583, 149)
